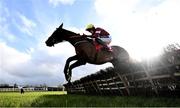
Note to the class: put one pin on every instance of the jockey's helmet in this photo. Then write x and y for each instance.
(90, 26)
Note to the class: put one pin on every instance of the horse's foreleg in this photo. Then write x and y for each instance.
(67, 65)
(76, 64)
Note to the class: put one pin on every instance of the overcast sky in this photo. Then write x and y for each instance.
(142, 27)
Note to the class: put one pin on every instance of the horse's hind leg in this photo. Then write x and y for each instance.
(76, 64)
(67, 65)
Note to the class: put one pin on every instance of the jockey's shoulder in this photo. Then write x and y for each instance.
(102, 31)
(99, 28)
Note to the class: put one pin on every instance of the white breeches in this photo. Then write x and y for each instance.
(106, 40)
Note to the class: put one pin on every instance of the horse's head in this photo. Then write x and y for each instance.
(55, 38)
(60, 35)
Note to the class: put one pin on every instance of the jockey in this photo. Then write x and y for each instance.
(100, 36)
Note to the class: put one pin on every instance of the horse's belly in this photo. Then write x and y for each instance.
(101, 57)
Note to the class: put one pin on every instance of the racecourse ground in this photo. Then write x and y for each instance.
(61, 99)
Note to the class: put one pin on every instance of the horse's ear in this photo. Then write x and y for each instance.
(61, 25)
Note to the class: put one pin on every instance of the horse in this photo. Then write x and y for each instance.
(86, 51)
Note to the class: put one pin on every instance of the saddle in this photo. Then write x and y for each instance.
(100, 47)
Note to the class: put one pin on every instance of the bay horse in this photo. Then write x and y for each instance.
(86, 51)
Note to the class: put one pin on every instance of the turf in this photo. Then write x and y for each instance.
(60, 99)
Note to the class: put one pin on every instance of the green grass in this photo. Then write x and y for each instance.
(57, 99)
(15, 99)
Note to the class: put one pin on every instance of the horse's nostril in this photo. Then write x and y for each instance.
(49, 44)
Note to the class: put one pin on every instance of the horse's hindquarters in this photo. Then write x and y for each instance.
(120, 54)
(121, 59)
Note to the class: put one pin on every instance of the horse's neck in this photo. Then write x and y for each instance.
(75, 38)
(77, 41)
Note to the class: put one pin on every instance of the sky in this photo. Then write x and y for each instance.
(142, 27)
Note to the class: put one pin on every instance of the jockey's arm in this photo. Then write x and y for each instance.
(91, 36)
(87, 35)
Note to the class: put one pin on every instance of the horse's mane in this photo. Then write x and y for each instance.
(70, 32)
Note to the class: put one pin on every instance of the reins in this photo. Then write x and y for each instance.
(78, 36)
(80, 42)
(75, 36)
